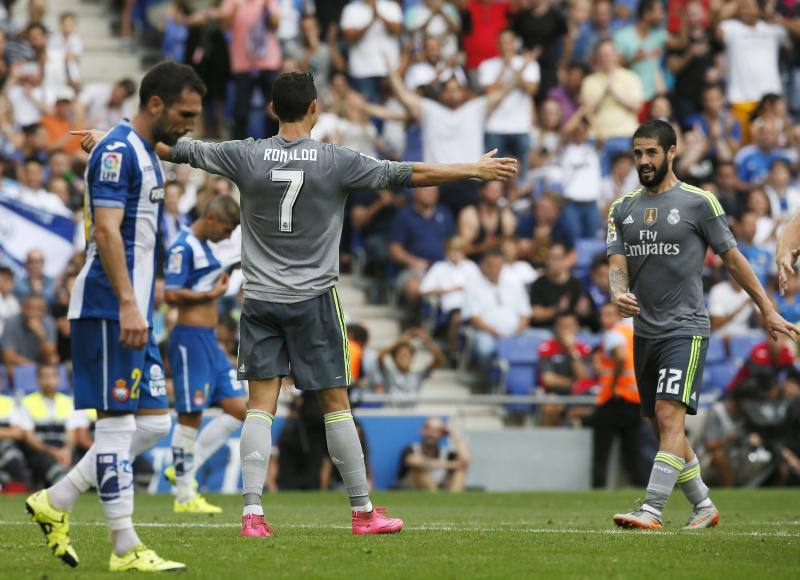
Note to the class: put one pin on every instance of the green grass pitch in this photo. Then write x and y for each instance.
(486, 535)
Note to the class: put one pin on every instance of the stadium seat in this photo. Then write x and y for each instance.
(520, 380)
(64, 384)
(716, 351)
(717, 376)
(522, 349)
(587, 249)
(25, 379)
(740, 346)
(590, 339)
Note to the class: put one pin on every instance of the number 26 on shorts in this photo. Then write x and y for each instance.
(671, 385)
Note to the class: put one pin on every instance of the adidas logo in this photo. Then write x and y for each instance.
(254, 456)
(243, 368)
(694, 396)
(628, 220)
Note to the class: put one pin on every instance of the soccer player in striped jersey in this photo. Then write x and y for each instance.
(202, 375)
(657, 241)
(117, 367)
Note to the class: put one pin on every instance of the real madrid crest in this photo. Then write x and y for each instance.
(650, 216)
(674, 216)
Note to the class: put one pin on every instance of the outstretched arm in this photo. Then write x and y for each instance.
(788, 251)
(410, 100)
(487, 168)
(740, 269)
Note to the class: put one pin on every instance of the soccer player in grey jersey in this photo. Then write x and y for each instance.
(657, 241)
(293, 192)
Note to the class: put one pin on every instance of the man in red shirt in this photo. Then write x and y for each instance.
(484, 20)
(562, 366)
(766, 361)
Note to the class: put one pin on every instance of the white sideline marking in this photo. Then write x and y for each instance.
(450, 528)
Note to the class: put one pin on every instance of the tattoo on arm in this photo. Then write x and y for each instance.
(617, 281)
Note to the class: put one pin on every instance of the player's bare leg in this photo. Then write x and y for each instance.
(255, 447)
(347, 455)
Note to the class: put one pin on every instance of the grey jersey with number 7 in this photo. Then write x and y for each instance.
(292, 201)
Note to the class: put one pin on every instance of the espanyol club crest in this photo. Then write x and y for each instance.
(650, 216)
(199, 398)
(121, 392)
(674, 216)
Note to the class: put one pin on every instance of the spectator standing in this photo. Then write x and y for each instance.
(433, 68)
(613, 96)
(60, 121)
(601, 27)
(581, 178)
(419, 233)
(484, 226)
(568, 92)
(372, 28)
(618, 413)
(30, 337)
(752, 51)
(753, 161)
(541, 26)
(431, 466)
(104, 103)
(720, 129)
(493, 310)
(730, 309)
(642, 46)
(557, 292)
(435, 19)
(396, 363)
(319, 57)
(563, 366)
(760, 258)
(783, 194)
(483, 21)
(509, 124)
(255, 55)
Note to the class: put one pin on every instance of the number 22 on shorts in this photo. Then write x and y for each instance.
(672, 385)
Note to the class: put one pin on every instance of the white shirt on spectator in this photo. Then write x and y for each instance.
(9, 306)
(792, 196)
(22, 103)
(366, 56)
(501, 306)
(326, 128)
(520, 273)
(581, 175)
(424, 73)
(751, 54)
(609, 190)
(437, 26)
(99, 115)
(724, 301)
(514, 113)
(446, 275)
(43, 199)
(452, 135)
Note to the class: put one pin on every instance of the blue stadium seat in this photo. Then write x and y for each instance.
(64, 384)
(740, 346)
(716, 350)
(25, 379)
(717, 376)
(520, 380)
(590, 339)
(587, 249)
(522, 349)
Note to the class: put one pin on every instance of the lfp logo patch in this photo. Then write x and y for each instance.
(110, 166)
(121, 393)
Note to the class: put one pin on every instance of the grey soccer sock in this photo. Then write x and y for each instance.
(346, 454)
(663, 477)
(255, 446)
(691, 482)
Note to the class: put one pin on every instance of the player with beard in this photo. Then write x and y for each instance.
(117, 366)
(657, 241)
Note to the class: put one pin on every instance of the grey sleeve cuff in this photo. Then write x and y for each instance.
(400, 173)
(180, 151)
(723, 247)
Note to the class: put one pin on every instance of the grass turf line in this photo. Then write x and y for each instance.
(563, 535)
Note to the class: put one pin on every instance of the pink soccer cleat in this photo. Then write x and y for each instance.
(375, 522)
(254, 526)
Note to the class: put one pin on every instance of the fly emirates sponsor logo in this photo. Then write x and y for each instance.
(649, 245)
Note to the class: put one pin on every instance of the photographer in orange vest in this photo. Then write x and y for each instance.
(617, 412)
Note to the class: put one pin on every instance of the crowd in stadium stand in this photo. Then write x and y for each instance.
(561, 86)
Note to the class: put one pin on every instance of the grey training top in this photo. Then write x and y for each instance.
(665, 238)
(292, 196)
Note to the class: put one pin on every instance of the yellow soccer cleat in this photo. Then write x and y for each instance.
(169, 475)
(141, 559)
(197, 505)
(55, 525)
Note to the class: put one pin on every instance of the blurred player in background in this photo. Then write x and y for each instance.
(657, 240)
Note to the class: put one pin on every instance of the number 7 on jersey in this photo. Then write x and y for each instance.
(294, 177)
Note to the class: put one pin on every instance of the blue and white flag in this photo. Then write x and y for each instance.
(24, 227)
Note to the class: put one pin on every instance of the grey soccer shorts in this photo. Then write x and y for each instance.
(669, 369)
(307, 340)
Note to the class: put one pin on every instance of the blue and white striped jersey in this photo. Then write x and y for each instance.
(192, 264)
(123, 172)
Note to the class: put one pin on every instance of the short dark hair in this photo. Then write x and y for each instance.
(659, 130)
(128, 85)
(36, 26)
(168, 80)
(644, 7)
(780, 161)
(493, 253)
(5, 270)
(292, 94)
(173, 183)
(31, 129)
(358, 333)
(224, 207)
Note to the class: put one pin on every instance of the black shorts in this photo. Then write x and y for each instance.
(669, 369)
(307, 340)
